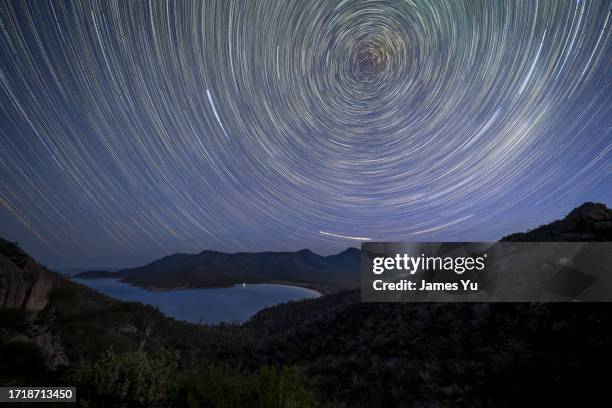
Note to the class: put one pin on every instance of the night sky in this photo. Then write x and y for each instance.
(130, 130)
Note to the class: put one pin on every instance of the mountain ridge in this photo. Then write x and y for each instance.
(209, 268)
(446, 354)
(326, 274)
(589, 222)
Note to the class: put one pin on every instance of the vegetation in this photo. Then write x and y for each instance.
(333, 351)
(268, 387)
(394, 354)
(351, 354)
(132, 378)
(139, 378)
(21, 362)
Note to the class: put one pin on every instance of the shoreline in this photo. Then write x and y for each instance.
(312, 288)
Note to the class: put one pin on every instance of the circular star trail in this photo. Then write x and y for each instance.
(133, 129)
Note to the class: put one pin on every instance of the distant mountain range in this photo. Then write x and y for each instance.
(325, 274)
(459, 354)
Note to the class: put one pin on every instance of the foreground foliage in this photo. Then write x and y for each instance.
(350, 354)
(139, 378)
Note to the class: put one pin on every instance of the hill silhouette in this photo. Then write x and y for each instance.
(351, 354)
(590, 222)
(326, 274)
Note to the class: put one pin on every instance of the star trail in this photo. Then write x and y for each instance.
(134, 129)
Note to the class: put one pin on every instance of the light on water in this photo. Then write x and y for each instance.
(213, 305)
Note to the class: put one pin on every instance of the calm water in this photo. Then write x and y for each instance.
(205, 305)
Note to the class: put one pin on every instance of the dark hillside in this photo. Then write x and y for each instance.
(385, 354)
(218, 269)
(54, 323)
(591, 222)
(349, 353)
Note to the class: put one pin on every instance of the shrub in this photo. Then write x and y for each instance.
(21, 360)
(220, 387)
(65, 294)
(135, 378)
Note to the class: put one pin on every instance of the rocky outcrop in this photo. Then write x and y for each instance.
(24, 284)
(48, 343)
(25, 287)
(591, 222)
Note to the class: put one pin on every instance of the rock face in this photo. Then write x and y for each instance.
(49, 344)
(591, 222)
(24, 284)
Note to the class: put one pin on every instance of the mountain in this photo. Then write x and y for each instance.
(352, 354)
(217, 269)
(50, 324)
(99, 275)
(450, 354)
(349, 259)
(56, 332)
(590, 222)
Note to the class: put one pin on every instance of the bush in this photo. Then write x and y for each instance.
(13, 319)
(135, 378)
(65, 294)
(21, 360)
(139, 378)
(266, 388)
